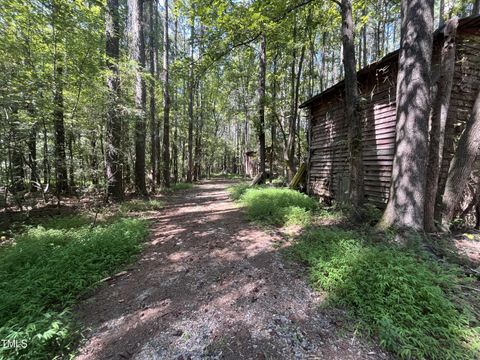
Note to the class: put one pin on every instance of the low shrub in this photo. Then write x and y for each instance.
(177, 187)
(65, 222)
(236, 191)
(44, 272)
(140, 205)
(397, 295)
(278, 206)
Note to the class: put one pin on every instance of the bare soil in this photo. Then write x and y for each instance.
(211, 285)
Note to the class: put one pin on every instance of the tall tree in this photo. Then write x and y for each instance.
(438, 120)
(152, 55)
(137, 49)
(114, 122)
(406, 204)
(58, 99)
(175, 99)
(462, 163)
(261, 104)
(351, 104)
(289, 152)
(166, 101)
(190, 102)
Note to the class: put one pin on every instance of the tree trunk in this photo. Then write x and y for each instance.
(197, 167)
(138, 55)
(58, 105)
(71, 178)
(94, 159)
(46, 163)
(353, 120)
(190, 105)
(114, 122)
(175, 133)
(261, 105)
(152, 51)
(441, 12)
(406, 205)
(289, 154)
(273, 121)
(166, 102)
(32, 157)
(461, 165)
(440, 106)
(59, 127)
(476, 7)
(323, 75)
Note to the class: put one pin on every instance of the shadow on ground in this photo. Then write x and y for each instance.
(211, 285)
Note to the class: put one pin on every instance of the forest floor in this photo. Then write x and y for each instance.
(211, 285)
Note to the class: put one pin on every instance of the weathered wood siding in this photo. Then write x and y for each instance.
(328, 158)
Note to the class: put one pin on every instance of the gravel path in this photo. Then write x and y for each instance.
(210, 285)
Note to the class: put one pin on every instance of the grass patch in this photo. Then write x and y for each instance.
(44, 272)
(64, 222)
(227, 176)
(140, 205)
(236, 191)
(398, 295)
(275, 206)
(177, 187)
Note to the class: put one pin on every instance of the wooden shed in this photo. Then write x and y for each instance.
(327, 158)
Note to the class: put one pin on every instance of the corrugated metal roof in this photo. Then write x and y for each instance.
(464, 23)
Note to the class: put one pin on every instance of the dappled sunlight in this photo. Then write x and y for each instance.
(213, 285)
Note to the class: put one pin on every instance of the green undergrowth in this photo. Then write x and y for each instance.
(64, 222)
(45, 271)
(236, 191)
(274, 206)
(399, 296)
(177, 187)
(227, 176)
(138, 205)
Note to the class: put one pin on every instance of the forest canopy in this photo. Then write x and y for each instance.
(118, 96)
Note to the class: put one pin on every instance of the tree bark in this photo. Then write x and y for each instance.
(138, 55)
(152, 54)
(190, 104)
(438, 120)
(261, 104)
(406, 204)
(94, 159)
(476, 7)
(273, 121)
(59, 128)
(352, 117)
(461, 165)
(323, 75)
(114, 122)
(166, 102)
(58, 103)
(175, 133)
(441, 12)
(289, 153)
(71, 178)
(32, 157)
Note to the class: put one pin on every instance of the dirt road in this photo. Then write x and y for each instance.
(210, 285)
